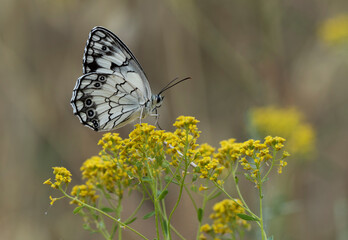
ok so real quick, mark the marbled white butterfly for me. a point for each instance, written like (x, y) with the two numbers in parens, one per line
(114, 90)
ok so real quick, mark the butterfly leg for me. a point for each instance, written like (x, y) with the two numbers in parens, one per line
(157, 117)
(141, 115)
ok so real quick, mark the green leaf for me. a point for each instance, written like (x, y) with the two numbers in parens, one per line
(175, 182)
(78, 192)
(130, 221)
(162, 195)
(200, 214)
(215, 196)
(77, 209)
(106, 209)
(237, 180)
(146, 179)
(149, 215)
(165, 227)
(247, 217)
(194, 177)
(270, 238)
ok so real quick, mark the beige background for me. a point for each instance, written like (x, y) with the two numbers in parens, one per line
(240, 54)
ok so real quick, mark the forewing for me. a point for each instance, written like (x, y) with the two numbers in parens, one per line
(106, 101)
(106, 53)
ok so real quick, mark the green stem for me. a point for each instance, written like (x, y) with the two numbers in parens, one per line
(103, 213)
(184, 158)
(237, 187)
(263, 233)
(271, 167)
(246, 208)
(191, 198)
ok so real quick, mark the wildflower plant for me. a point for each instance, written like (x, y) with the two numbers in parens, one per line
(286, 122)
(151, 160)
(334, 31)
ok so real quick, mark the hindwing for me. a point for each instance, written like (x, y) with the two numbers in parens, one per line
(106, 101)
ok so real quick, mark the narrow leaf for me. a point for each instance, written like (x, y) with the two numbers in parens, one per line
(247, 217)
(146, 179)
(200, 214)
(165, 227)
(78, 192)
(149, 215)
(162, 195)
(215, 196)
(77, 209)
(130, 221)
(106, 209)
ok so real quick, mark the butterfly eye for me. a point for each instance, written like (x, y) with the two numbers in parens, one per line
(91, 113)
(104, 48)
(88, 102)
(159, 99)
(102, 78)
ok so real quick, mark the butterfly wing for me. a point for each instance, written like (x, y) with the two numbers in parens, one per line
(106, 53)
(106, 101)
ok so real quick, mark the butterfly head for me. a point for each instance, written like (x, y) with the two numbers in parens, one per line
(156, 101)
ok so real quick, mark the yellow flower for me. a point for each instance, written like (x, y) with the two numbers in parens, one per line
(206, 228)
(282, 164)
(202, 188)
(187, 123)
(62, 175)
(52, 200)
(48, 182)
(334, 30)
(85, 193)
(225, 217)
(288, 123)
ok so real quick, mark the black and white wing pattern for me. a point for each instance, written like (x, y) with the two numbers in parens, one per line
(106, 101)
(114, 90)
(106, 53)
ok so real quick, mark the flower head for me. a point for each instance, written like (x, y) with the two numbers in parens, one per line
(334, 31)
(62, 175)
(288, 123)
(85, 193)
(225, 218)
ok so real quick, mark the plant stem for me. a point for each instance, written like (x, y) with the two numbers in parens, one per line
(263, 233)
(103, 213)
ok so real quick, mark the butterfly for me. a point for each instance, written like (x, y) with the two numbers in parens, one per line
(113, 90)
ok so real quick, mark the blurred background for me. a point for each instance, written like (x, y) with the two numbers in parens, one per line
(254, 64)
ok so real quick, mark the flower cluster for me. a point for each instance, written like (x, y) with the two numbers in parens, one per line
(62, 175)
(149, 160)
(123, 163)
(225, 219)
(85, 193)
(207, 166)
(334, 30)
(252, 155)
(288, 123)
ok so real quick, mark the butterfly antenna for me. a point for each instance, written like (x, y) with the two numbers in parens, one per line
(169, 85)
